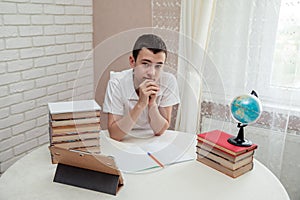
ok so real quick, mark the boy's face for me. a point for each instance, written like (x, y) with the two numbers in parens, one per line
(147, 66)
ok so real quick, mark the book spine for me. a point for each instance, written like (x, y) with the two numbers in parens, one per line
(50, 128)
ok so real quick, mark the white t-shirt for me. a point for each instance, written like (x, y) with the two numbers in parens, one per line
(121, 97)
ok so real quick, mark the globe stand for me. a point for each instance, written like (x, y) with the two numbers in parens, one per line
(239, 140)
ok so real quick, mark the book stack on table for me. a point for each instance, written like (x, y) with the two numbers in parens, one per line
(214, 150)
(75, 125)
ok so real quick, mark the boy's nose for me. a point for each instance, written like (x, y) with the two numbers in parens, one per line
(151, 71)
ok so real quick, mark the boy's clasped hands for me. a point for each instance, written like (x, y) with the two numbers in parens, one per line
(147, 92)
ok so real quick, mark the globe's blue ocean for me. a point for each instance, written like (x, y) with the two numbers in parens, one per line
(246, 109)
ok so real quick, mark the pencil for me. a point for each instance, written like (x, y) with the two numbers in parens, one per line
(155, 159)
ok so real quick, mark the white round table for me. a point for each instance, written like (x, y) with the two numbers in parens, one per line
(31, 178)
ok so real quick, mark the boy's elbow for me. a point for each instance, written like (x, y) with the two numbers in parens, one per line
(163, 129)
(114, 135)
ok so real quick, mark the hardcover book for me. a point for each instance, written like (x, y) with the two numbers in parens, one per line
(75, 137)
(232, 173)
(75, 125)
(75, 128)
(223, 154)
(74, 109)
(78, 144)
(70, 122)
(224, 162)
(218, 139)
(214, 150)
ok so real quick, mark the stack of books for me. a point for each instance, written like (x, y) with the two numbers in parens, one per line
(75, 125)
(214, 150)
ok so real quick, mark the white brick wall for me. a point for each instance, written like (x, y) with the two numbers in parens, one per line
(43, 44)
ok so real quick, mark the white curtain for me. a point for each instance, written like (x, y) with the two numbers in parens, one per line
(194, 27)
(238, 40)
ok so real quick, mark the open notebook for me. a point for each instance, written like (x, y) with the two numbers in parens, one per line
(131, 154)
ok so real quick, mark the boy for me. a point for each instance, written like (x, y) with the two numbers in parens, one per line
(142, 97)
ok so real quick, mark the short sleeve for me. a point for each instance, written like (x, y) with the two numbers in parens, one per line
(170, 95)
(113, 98)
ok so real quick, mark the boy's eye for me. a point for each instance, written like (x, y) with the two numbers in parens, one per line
(158, 66)
(146, 64)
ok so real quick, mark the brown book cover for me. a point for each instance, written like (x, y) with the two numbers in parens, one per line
(78, 144)
(75, 137)
(85, 160)
(232, 173)
(75, 115)
(80, 169)
(224, 154)
(224, 162)
(80, 121)
(75, 128)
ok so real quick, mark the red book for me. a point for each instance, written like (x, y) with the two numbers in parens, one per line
(218, 139)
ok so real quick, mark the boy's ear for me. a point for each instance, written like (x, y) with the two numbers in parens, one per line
(131, 61)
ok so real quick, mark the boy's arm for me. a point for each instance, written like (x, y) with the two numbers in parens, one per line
(119, 126)
(160, 118)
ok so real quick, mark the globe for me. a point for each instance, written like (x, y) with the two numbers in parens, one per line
(246, 109)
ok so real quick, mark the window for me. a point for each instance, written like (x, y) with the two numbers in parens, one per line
(286, 62)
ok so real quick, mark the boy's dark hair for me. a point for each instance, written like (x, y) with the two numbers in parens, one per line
(151, 42)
